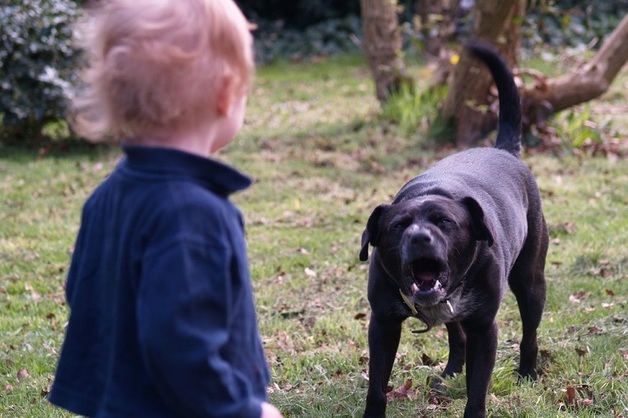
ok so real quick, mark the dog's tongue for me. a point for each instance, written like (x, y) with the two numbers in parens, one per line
(424, 282)
(428, 276)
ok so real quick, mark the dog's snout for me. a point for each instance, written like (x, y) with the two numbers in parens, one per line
(422, 237)
(419, 237)
(419, 234)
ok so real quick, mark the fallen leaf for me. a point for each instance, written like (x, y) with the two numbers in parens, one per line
(402, 392)
(33, 293)
(605, 272)
(435, 397)
(570, 396)
(364, 360)
(427, 360)
(22, 374)
(578, 296)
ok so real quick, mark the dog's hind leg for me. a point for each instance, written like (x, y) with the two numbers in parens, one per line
(457, 352)
(457, 349)
(527, 281)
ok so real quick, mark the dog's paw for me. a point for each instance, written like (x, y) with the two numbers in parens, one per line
(528, 375)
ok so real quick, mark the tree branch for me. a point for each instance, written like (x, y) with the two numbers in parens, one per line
(586, 82)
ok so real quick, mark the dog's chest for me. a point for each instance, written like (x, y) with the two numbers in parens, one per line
(455, 309)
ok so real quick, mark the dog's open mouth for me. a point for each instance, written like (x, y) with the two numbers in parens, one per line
(426, 276)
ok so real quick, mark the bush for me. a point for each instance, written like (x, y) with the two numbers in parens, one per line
(571, 23)
(331, 37)
(37, 63)
(298, 14)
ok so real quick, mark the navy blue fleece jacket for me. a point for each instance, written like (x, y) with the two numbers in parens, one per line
(162, 320)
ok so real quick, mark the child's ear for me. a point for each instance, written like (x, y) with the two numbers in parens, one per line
(225, 97)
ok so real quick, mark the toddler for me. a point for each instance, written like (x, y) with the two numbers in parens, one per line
(162, 319)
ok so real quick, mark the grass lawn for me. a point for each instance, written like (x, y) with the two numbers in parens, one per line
(322, 161)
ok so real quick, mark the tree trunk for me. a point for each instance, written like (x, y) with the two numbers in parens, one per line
(382, 45)
(497, 22)
(585, 83)
(437, 19)
(429, 12)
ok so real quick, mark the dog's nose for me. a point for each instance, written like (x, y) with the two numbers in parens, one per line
(419, 236)
(419, 241)
(422, 237)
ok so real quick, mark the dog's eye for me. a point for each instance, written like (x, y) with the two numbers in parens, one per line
(400, 224)
(443, 221)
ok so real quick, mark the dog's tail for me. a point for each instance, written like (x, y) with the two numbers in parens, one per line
(509, 130)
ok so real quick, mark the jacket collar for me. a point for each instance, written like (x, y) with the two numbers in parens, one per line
(219, 177)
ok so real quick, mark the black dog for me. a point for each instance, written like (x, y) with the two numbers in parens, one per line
(445, 248)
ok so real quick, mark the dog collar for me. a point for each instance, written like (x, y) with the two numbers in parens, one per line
(413, 308)
(420, 315)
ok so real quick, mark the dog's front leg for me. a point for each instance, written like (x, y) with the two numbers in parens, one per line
(481, 349)
(383, 339)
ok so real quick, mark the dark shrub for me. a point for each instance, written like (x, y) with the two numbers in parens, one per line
(37, 63)
(297, 14)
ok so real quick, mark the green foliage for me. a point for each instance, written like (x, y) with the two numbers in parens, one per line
(37, 62)
(331, 37)
(413, 111)
(571, 23)
(577, 128)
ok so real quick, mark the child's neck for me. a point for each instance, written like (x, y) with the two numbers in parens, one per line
(201, 144)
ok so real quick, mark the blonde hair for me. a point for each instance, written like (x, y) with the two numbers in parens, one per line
(158, 65)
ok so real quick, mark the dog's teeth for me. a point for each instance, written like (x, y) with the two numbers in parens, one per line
(438, 285)
(451, 308)
(414, 288)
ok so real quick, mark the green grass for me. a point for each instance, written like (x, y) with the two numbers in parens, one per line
(322, 160)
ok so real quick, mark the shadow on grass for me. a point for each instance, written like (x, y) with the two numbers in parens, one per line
(34, 148)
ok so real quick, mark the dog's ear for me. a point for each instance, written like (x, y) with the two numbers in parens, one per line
(371, 233)
(482, 229)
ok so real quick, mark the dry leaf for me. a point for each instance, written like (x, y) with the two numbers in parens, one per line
(402, 392)
(22, 374)
(578, 296)
(427, 360)
(570, 395)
